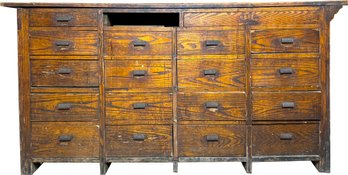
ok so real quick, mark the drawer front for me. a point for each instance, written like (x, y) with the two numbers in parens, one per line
(139, 141)
(142, 44)
(211, 75)
(295, 74)
(139, 75)
(286, 106)
(201, 19)
(63, 42)
(62, 17)
(129, 108)
(287, 139)
(64, 107)
(65, 140)
(285, 41)
(201, 41)
(211, 140)
(211, 106)
(64, 73)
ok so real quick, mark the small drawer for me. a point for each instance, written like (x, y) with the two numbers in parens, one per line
(138, 44)
(202, 19)
(62, 17)
(213, 41)
(286, 106)
(211, 75)
(64, 73)
(139, 141)
(212, 106)
(64, 106)
(285, 41)
(286, 139)
(292, 74)
(58, 41)
(211, 140)
(139, 75)
(64, 140)
(135, 108)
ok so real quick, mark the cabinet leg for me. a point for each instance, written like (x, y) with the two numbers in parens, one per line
(247, 166)
(322, 166)
(175, 166)
(104, 167)
(28, 167)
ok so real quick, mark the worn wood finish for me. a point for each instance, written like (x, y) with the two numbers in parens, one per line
(204, 19)
(303, 139)
(229, 106)
(64, 73)
(230, 141)
(48, 142)
(62, 17)
(62, 41)
(121, 142)
(229, 75)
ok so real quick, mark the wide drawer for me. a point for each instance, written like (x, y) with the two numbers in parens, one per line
(64, 73)
(295, 74)
(285, 139)
(211, 75)
(201, 19)
(212, 106)
(285, 41)
(139, 75)
(64, 140)
(211, 140)
(58, 41)
(62, 17)
(210, 41)
(139, 141)
(131, 108)
(286, 106)
(138, 44)
(64, 106)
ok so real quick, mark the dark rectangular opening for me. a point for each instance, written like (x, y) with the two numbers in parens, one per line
(141, 19)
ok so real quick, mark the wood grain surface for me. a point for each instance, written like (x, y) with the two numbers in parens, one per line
(213, 19)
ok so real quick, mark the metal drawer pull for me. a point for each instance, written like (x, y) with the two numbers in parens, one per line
(64, 106)
(139, 43)
(212, 138)
(139, 73)
(65, 138)
(211, 104)
(286, 71)
(64, 18)
(287, 40)
(64, 71)
(63, 43)
(212, 43)
(139, 105)
(288, 104)
(286, 136)
(139, 137)
(210, 72)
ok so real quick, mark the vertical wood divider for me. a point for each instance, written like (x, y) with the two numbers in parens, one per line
(175, 103)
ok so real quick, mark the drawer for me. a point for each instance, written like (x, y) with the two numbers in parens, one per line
(139, 75)
(64, 106)
(201, 19)
(64, 73)
(211, 140)
(285, 41)
(211, 75)
(286, 106)
(212, 106)
(295, 74)
(213, 41)
(64, 140)
(62, 41)
(131, 108)
(138, 44)
(286, 139)
(62, 17)
(139, 141)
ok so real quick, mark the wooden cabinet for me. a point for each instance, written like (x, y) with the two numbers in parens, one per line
(174, 83)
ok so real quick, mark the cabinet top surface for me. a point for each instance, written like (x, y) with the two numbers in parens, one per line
(176, 5)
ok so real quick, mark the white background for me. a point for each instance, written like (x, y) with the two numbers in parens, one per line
(9, 129)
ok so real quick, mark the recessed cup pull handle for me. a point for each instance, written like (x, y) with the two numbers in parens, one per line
(64, 106)
(63, 43)
(288, 104)
(212, 138)
(65, 138)
(64, 71)
(211, 104)
(139, 73)
(287, 40)
(212, 43)
(139, 105)
(64, 18)
(139, 43)
(139, 137)
(286, 136)
(213, 72)
(283, 71)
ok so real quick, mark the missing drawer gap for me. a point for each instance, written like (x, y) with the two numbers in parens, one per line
(141, 19)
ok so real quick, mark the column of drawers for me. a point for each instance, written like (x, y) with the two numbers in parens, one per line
(64, 77)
